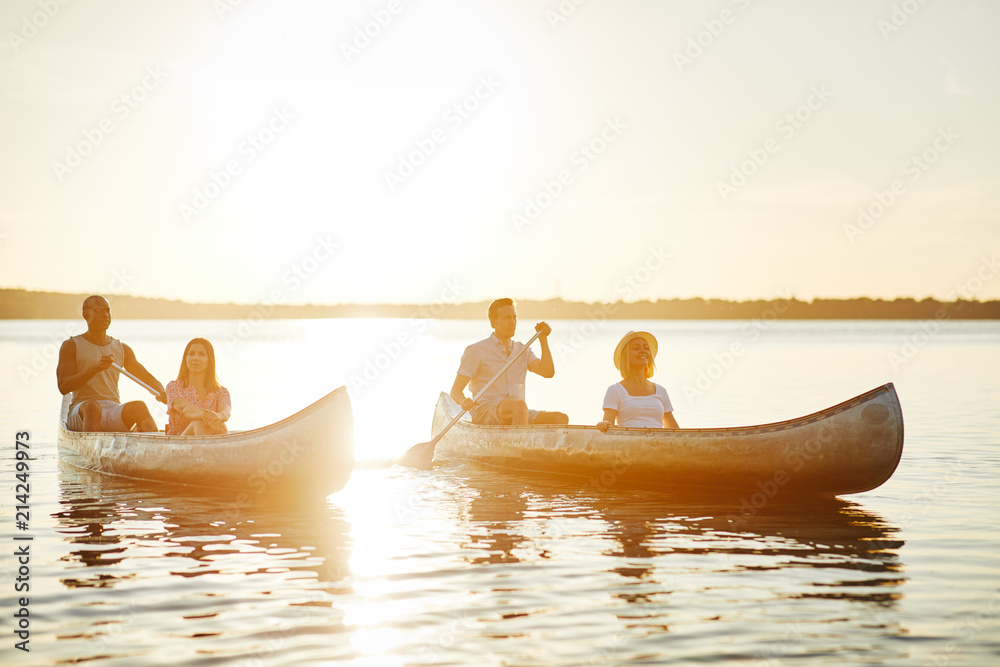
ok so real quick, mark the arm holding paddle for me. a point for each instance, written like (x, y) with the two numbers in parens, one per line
(136, 371)
(68, 376)
(543, 366)
(457, 392)
(422, 455)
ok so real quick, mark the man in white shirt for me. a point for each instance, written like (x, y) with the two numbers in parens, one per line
(503, 402)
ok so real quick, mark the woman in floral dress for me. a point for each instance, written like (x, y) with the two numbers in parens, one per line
(196, 403)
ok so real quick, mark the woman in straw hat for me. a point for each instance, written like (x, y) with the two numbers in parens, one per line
(635, 401)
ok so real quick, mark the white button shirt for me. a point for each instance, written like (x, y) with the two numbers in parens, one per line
(482, 360)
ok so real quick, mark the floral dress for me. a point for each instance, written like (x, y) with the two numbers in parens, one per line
(214, 401)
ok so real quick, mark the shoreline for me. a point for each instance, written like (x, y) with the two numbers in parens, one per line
(17, 304)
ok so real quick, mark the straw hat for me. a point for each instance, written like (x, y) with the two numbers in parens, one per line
(645, 335)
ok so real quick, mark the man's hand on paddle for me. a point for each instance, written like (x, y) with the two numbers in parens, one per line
(458, 392)
(543, 366)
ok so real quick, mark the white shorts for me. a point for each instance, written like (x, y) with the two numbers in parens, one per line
(111, 417)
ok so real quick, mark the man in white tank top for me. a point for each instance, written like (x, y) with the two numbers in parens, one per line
(85, 369)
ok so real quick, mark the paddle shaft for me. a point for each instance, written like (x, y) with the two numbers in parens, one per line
(487, 385)
(420, 456)
(135, 379)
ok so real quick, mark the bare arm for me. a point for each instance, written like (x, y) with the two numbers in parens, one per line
(70, 378)
(609, 420)
(669, 421)
(543, 366)
(183, 406)
(133, 366)
(458, 392)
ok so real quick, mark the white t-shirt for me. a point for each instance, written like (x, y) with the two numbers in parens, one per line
(638, 411)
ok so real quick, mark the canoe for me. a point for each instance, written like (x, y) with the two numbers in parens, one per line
(851, 447)
(311, 452)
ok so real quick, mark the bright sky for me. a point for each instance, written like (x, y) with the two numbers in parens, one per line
(227, 150)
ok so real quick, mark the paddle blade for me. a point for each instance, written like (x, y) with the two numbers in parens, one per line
(419, 456)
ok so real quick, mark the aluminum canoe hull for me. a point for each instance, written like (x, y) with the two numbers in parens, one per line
(851, 447)
(311, 451)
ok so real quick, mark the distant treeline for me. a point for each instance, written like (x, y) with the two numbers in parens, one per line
(23, 304)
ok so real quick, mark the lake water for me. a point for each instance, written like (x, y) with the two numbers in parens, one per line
(465, 566)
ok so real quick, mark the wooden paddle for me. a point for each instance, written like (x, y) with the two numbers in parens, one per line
(420, 456)
(139, 382)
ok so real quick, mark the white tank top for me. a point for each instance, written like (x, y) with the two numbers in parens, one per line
(104, 385)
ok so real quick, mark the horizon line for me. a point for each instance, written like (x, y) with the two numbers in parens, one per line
(792, 298)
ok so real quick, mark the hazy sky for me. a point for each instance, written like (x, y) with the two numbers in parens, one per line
(409, 151)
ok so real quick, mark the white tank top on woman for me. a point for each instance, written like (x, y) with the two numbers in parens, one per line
(638, 411)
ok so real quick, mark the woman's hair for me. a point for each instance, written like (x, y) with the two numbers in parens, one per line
(624, 367)
(211, 380)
